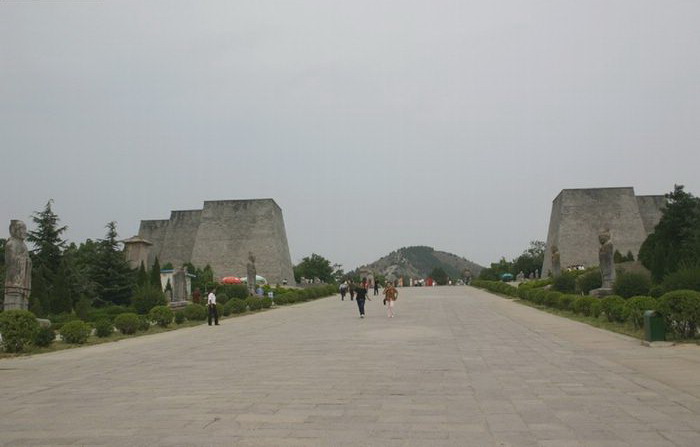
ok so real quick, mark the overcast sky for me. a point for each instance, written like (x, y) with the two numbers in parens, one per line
(373, 124)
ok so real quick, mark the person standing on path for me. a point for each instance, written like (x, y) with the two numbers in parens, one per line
(376, 288)
(352, 290)
(343, 291)
(390, 294)
(360, 296)
(211, 306)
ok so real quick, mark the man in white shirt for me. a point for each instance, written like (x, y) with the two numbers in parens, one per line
(211, 305)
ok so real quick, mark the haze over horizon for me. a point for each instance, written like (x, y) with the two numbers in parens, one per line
(374, 125)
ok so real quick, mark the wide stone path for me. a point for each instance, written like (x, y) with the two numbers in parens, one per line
(456, 367)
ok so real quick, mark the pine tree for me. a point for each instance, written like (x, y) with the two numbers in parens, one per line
(155, 275)
(61, 300)
(48, 245)
(111, 271)
(142, 277)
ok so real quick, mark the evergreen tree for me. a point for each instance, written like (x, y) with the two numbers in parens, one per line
(61, 300)
(142, 278)
(48, 245)
(40, 293)
(155, 275)
(111, 272)
(675, 242)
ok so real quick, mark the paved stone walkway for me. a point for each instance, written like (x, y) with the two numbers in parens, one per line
(456, 367)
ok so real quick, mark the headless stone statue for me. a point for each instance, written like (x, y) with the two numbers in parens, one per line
(18, 274)
(251, 273)
(556, 261)
(605, 257)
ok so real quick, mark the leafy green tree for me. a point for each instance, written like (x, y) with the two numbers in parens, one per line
(675, 242)
(111, 271)
(530, 260)
(314, 266)
(48, 245)
(439, 275)
(62, 294)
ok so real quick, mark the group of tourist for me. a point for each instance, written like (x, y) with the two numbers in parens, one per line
(358, 293)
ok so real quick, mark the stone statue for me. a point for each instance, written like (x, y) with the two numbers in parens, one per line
(556, 261)
(605, 257)
(18, 274)
(251, 273)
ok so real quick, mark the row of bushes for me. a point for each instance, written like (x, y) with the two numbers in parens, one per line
(680, 308)
(19, 328)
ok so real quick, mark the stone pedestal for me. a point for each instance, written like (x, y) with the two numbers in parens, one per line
(601, 292)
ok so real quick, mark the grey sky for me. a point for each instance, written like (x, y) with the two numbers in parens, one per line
(373, 124)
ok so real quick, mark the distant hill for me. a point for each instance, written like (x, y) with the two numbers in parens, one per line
(418, 262)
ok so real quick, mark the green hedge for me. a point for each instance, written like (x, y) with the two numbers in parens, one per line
(161, 315)
(583, 305)
(75, 332)
(613, 307)
(104, 327)
(235, 306)
(18, 329)
(44, 336)
(632, 284)
(195, 312)
(127, 323)
(681, 309)
(636, 306)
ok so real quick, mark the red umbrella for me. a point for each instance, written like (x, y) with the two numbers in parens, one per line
(231, 280)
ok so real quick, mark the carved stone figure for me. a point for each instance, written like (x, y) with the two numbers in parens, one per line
(18, 274)
(556, 261)
(605, 257)
(251, 273)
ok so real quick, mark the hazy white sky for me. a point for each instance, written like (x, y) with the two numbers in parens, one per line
(373, 124)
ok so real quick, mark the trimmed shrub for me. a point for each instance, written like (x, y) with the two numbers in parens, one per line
(44, 336)
(127, 323)
(104, 327)
(236, 306)
(18, 329)
(524, 294)
(535, 284)
(565, 301)
(221, 298)
(254, 303)
(179, 317)
(681, 309)
(684, 279)
(565, 283)
(76, 332)
(537, 295)
(631, 284)
(551, 299)
(281, 300)
(144, 323)
(231, 291)
(146, 298)
(106, 313)
(292, 297)
(613, 307)
(582, 305)
(596, 307)
(195, 312)
(588, 281)
(266, 302)
(657, 291)
(635, 307)
(161, 315)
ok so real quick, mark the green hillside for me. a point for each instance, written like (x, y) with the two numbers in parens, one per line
(417, 262)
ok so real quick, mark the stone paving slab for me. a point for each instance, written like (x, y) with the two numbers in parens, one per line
(456, 367)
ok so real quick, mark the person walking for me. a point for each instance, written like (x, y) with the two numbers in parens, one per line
(352, 290)
(376, 288)
(360, 296)
(211, 306)
(390, 294)
(343, 290)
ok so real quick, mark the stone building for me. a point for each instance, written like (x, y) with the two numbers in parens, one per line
(222, 234)
(579, 215)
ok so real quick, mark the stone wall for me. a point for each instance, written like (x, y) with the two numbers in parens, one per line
(154, 232)
(180, 238)
(221, 235)
(578, 215)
